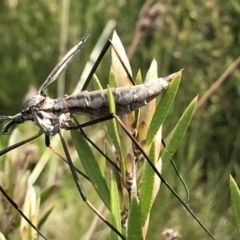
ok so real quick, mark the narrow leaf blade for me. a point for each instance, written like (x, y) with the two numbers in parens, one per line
(91, 167)
(163, 107)
(134, 221)
(44, 218)
(113, 129)
(235, 200)
(115, 207)
(178, 132)
(147, 186)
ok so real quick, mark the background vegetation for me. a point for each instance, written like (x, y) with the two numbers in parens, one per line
(200, 36)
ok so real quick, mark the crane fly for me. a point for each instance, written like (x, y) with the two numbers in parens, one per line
(52, 115)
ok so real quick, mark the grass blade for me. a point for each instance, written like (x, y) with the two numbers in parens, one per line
(235, 200)
(163, 107)
(115, 207)
(178, 132)
(91, 167)
(134, 221)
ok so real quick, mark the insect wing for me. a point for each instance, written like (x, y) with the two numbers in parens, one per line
(61, 66)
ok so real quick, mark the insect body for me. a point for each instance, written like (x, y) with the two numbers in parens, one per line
(127, 99)
(51, 115)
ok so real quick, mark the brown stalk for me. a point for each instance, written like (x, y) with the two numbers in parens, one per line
(147, 21)
(215, 85)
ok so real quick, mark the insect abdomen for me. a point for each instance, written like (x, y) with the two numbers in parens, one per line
(127, 99)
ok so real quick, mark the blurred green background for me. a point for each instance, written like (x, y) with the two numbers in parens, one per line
(202, 37)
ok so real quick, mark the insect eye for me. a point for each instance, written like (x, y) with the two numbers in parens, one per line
(24, 111)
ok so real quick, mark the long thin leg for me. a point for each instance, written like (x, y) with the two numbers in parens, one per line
(55, 151)
(105, 118)
(16, 145)
(93, 70)
(179, 175)
(81, 191)
(93, 144)
(20, 211)
(123, 64)
(101, 55)
(110, 116)
(160, 176)
(89, 123)
(64, 159)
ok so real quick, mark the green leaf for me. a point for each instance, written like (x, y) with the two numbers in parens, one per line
(147, 186)
(111, 101)
(235, 200)
(178, 132)
(111, 126)
(91, 166)
(96, 83)
(45, 193)
(115, 208)
(138, 79)
(44, 217)
(113, 130)
(109, 167)
(112, 79)
(163, 107)
(134, 231)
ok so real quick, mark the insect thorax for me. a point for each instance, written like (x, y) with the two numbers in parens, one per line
(35, 102)
(39, 109)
